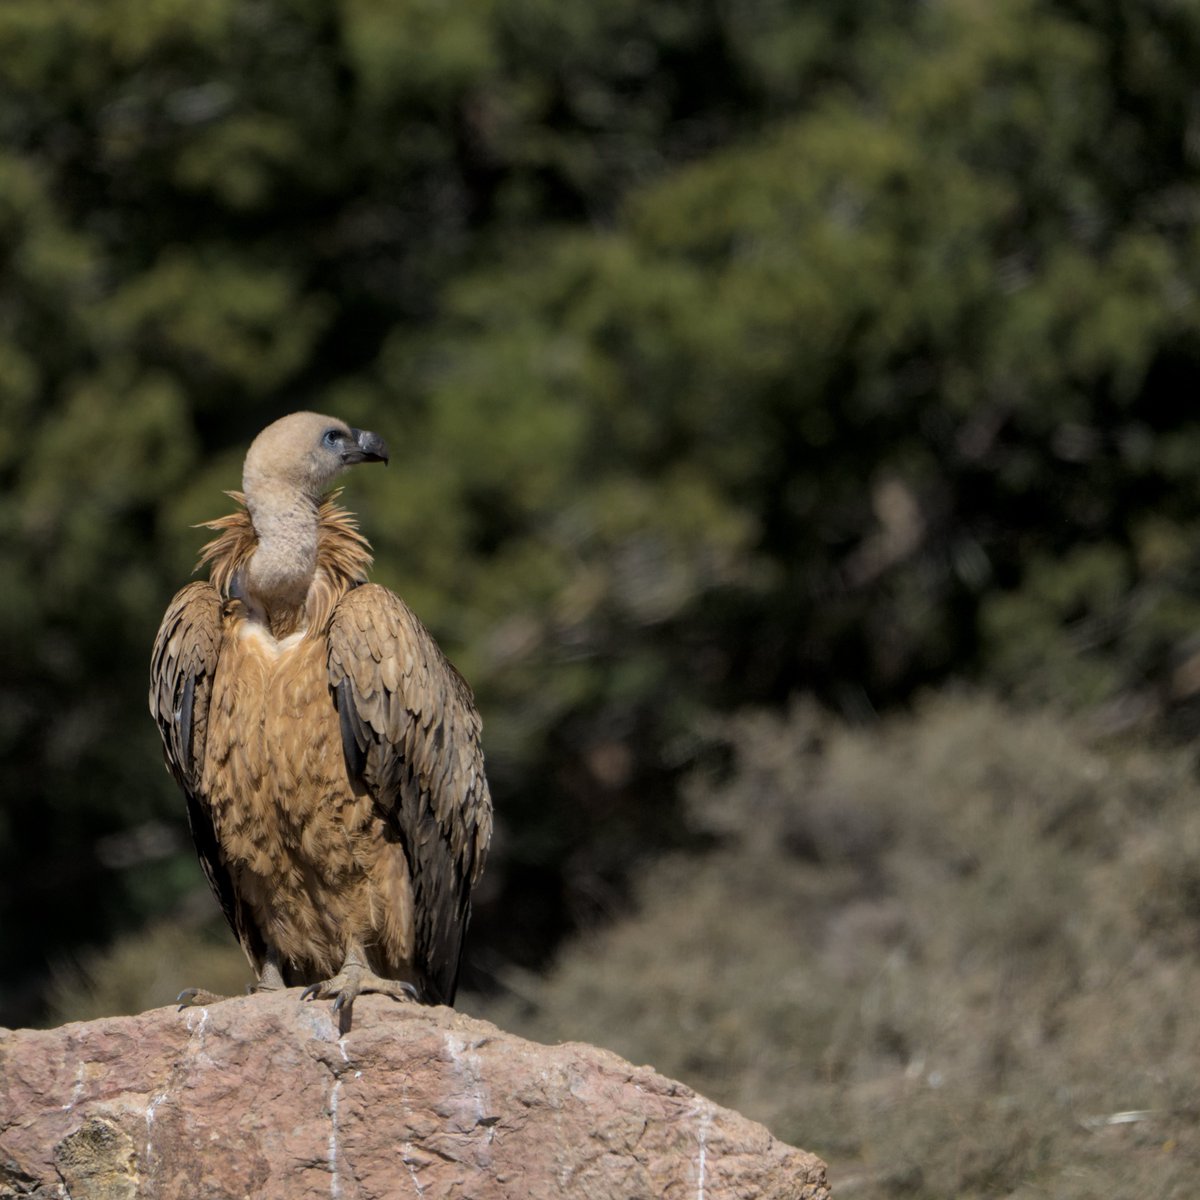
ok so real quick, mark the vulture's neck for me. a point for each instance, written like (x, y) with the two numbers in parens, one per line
(287, 560)
(284, 562)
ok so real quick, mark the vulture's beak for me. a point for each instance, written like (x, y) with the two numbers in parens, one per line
(367, 447)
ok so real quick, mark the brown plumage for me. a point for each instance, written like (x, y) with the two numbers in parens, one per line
(328, 752)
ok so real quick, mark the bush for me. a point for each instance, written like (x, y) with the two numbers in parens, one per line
(954, 953)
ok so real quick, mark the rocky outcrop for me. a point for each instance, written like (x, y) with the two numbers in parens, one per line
(260, 1097)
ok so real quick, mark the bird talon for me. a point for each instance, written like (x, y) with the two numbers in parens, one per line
(312, 992)
(197, 998)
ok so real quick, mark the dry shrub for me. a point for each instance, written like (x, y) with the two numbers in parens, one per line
(956, 954)
(149, 969)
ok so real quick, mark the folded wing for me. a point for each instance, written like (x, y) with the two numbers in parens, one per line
(182, 666)
(410, 732)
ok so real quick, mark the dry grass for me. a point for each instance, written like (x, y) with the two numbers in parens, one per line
(149, 969)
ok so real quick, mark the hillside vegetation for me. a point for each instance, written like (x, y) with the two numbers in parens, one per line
(728, 353)
(955, 954)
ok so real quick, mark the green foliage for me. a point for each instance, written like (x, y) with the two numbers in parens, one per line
(727, 351)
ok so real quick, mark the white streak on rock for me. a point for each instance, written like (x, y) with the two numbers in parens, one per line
(198, 1046)
(191, 1024)
(74, 1100)
(702, 1158)
(319, 1018)
(335, 1149)
(151, 1110)
(335, 1179)
(406, 1159)
(467, 1069)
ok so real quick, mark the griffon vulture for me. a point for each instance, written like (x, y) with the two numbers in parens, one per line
(328, 752)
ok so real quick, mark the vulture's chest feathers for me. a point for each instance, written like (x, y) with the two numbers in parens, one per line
(305, 843)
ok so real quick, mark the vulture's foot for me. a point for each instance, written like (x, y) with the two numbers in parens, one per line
(269, 980)
(352, 980)
(197, 998)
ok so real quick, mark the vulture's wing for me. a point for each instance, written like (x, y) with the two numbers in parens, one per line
(181, 677)
(411, 733)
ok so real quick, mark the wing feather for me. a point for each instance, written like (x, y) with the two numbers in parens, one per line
(181, 673)
(411, 732)
(182, 666)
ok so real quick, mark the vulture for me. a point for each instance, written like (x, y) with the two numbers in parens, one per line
(328, 752)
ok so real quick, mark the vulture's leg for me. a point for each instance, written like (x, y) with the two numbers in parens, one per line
(354, 978)
(270, 978)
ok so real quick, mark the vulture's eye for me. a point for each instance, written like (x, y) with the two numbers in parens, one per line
(333, 437)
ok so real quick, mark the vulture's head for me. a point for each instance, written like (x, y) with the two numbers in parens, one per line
(304, 452)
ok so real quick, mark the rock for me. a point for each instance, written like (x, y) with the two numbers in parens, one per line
(260, 1097)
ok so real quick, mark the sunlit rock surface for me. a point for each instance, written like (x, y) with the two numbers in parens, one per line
(260, 1097)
